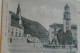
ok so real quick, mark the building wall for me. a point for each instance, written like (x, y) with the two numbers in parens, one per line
(70, 25)
(14, 36)
(15, 40)
(64, 25)
(15, 30)
(74, 34)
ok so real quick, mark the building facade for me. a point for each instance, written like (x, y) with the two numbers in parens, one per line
(16, 30)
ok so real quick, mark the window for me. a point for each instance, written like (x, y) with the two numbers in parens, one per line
(19, 34)
(12, 33)
(10, 40)
(67, 22)
(16, 33)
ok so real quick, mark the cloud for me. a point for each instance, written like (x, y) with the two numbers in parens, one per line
(46, 15)
(47, 11)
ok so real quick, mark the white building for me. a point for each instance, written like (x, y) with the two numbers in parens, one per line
(66, 19)
(65, 26)
(16, 30)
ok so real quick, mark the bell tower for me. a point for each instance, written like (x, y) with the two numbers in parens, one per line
(66, 19)
(18, 13)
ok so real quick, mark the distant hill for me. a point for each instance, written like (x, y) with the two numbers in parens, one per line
(33, 28)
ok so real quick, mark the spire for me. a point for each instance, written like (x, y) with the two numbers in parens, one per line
(67, 11)
(18, 13)
(66, 6)
(18, 9)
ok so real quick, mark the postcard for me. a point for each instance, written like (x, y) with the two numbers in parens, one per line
(40, 26)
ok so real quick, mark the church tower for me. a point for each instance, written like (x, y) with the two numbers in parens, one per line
(18, 13)
(66, 19)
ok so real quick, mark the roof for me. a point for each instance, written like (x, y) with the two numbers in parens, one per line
(61, 26)
(16, 24)
(66, 6)
(14, 20)
(74, 26)
(57, 25)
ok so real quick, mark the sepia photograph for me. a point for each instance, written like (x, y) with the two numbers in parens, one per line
(42, 26)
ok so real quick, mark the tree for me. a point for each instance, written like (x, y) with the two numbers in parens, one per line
(61, 37)
(64, 37)
(69, 39)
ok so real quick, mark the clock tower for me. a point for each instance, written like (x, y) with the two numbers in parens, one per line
(66, 19)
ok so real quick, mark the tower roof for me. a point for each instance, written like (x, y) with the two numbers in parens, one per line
(66, 6)
(14, 22)
(18, 9)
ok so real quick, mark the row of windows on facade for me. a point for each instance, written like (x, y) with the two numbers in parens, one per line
(16, 33)
(10, 40)
(22, 40)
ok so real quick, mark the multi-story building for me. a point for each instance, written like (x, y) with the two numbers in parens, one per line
(16, 30)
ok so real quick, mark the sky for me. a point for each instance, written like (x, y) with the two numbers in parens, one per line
(46, 12)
